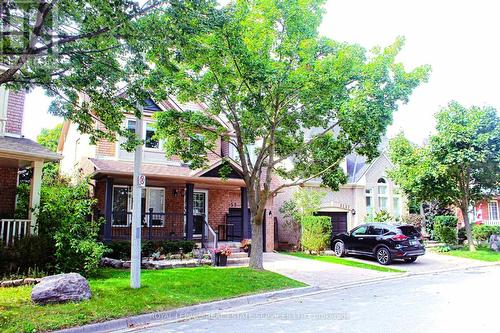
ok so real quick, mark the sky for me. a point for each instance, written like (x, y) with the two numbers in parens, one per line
(459, 39)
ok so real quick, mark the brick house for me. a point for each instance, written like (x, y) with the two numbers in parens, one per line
(367, 192)
(17, 153)
(177, 202)
(485, 212)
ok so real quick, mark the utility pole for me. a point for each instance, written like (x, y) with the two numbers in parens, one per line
(135, 253)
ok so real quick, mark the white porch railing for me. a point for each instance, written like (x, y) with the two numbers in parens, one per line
(12, 230)
(491, 222)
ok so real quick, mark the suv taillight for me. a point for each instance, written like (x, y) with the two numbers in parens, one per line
(399, 238)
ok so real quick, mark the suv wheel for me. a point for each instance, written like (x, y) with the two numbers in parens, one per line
(339, 249)
(383, 256)
(410, 260)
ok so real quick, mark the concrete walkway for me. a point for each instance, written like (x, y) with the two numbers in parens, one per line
(317, 273)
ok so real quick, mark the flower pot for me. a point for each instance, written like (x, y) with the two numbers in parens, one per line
(222, 260)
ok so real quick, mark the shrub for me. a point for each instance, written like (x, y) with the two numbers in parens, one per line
(316, 231)
(64, 216)
(481, 232)
(415, 220)
(383, 216)
(445, 229)
(121, 249)
(462, 235)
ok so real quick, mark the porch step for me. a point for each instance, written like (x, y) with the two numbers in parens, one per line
(232, 261)
(238, 255)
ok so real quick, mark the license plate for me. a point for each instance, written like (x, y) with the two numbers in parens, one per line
(414, 242)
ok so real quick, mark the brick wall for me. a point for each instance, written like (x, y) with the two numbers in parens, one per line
(8, 185)
(219, 202)
(105, 147)
(15, 111)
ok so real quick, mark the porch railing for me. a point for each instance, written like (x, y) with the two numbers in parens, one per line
(491, 222)
(155, 225)
(208, 236)
(12, 230)
(226, 232)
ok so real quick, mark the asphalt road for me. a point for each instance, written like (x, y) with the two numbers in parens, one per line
(459, 301)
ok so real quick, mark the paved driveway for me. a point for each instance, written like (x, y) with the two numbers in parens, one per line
(430, 262)
(317, 273)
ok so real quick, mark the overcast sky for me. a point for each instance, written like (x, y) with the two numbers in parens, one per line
(459, 39)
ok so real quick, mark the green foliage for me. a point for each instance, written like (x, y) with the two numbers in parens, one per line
(415, 220)
(445, 229)
(64, 216)
(461, 163)
(121, 249)
(382, 216)
(481, 232)
(22, 201)
(316, 232)
(49, 138)
(304, 202)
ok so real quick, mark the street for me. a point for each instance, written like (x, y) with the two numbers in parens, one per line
(458, 301)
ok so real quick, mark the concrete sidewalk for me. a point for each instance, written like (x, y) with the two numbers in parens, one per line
(320, 274)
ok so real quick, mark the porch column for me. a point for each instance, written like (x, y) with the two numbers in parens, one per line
(189, 211)
(36, 186)
(244, 213)
(108, 206)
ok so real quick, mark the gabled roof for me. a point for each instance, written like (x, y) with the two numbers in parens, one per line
(214, 170)
(23, 147)
(357, 166)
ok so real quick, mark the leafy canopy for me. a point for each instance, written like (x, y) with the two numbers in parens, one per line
(283, 90)
(461, 163)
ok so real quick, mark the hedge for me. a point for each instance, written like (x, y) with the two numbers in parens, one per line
(121, 249)
(316, 231)
(445, 229)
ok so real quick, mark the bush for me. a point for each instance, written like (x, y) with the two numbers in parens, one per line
(121, 249)
(415, 220)
(383, 216)
(445, 229)
(481, 232)
(462, 235)
(316, 231)
(64, 216)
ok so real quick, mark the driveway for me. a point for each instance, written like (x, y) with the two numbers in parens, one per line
(430, 262)
(317, 273)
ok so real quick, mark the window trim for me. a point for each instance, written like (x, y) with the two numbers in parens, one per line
(113, 203)
(490, 210)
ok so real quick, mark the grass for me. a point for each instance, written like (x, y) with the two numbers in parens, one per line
(345, 262)
(481, 253)
(112, 297)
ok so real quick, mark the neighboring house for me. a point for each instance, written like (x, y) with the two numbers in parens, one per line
(485, 212)
(367, 192)
(177, 202)
(17, 153)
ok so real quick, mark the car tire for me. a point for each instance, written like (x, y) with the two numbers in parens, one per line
(410, 260)
(383, 256)
(339, 249)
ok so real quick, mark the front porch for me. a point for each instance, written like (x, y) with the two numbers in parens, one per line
(21, 161)
(203, 211)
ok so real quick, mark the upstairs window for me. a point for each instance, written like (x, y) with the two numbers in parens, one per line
(151, 141)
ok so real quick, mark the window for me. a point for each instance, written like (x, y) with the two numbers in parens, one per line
(382, 203)
(396, 206)
(360, 231)
(131, 126)
(120, 206)
(382, 194)
(376, 231)
(369, 201)
(493, 210)
(197, 144)
(151, 141)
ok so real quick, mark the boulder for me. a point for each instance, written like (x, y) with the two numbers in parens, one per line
(61, 288)
(494, 243)
(110, 262)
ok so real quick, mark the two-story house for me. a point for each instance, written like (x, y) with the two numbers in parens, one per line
(367, 192)
(177, 202)
(17, 153)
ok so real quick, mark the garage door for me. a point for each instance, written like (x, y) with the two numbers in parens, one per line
(339, 221)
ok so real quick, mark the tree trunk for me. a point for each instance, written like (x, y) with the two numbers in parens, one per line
(256, 257)
(468, 229)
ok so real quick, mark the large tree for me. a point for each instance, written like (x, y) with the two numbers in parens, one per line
(286, 93)
(87, 54)
(459, 166)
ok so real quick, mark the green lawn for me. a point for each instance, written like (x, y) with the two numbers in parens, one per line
(483, 254)
(343, 261)
(112, 297)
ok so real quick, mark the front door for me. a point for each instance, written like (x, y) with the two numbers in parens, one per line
(199, 211)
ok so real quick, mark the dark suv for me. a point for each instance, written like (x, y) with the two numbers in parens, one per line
(385, 242)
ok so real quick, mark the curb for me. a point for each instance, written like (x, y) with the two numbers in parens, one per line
(188, 312)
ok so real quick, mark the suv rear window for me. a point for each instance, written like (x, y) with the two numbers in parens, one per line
(409, 231)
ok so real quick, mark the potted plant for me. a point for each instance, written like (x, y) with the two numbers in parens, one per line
(246, 245)
(221, 255)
